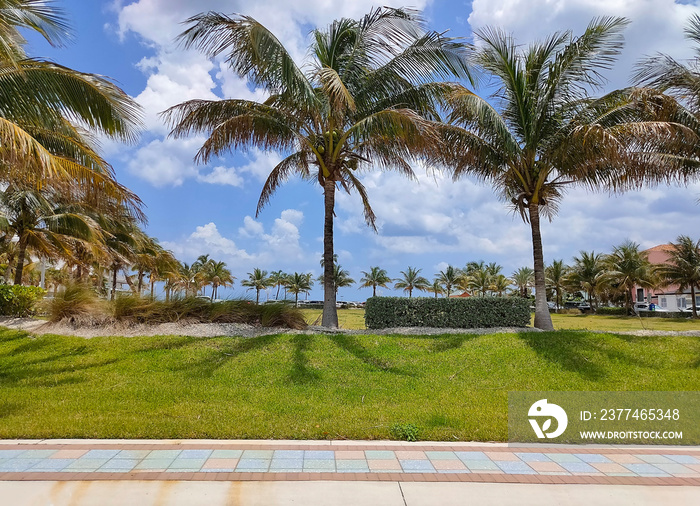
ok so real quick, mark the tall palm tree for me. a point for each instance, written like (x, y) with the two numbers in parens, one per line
(45, 107)
(449, 278)
(437, 288)
(411, 280)
(44, 223)
(299, 283)
(164, 266)
(555, 279)
(683, 267)
(341, 278)
(547, 133)
(217, 275)
(202, 263)
(374, 278)
(478, 281)
(257, 280)
(523, 278)
(500, 284)
(627, 267)
(278, 279)
(586, 274)
(367, 99)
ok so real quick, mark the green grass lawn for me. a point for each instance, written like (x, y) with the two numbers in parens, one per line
(313, 387)
(355, 319)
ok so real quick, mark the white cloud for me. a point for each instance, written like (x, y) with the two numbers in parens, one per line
(166, 162)
(656, 25)
(280, 248)
(221, 175)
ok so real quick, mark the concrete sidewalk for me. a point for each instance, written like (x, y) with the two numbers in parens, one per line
(191, 472)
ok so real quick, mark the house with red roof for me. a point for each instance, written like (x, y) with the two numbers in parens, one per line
(666, 297)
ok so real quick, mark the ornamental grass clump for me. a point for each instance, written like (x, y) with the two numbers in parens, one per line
(78, 304)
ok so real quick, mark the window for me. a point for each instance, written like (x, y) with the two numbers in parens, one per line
(640, 294)
(681, 302)
(662, 302)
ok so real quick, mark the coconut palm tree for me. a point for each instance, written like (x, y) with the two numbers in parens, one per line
(299, 283)
(627, 267)
(586, 274)
(43, 222)
(164, 266)
(449, 278)
(500, 284)
(437, 288)
(278, 279)
(367, 99)
(341, 278)
(683, 267)
(257, 280)
(523, 278)
(555, 278)
(45, 107)
(479, 280)
(218, 275)
(411, 280)
(546, 133)
(374, 278)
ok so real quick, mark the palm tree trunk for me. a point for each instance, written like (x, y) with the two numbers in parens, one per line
(153, 282)
(257, 296)
(692, 294)
(22, 251)
(374, 290)
(410, 293)
(542, 319)
(115, 268)
(330, 312)
(140, 281)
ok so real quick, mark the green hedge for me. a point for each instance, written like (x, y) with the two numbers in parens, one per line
(474, 312)
(612, 311)
(18, 300)
(664, 314)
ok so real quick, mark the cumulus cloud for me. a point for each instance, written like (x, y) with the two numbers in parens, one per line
(279, 247)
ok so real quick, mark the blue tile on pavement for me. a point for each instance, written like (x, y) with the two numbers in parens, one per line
(10, 454)
(297, 464)
(645, 469)
(593, 458)
(87, 464)
(257, 454)
(133, 454)
(654, 459)
(683, 459)
(357, 466)
(195, 454)
(417, 466)
(290, 454)
(163, 454)
(472, 456)
(36, 454)
(314, 454)
(514, 467)
(253, 464)
(533, 457)
(118, 464)
(319, 465)
(481, 465)
(52, 464)
(441, 455)
(563, 457)
(179, 463)
(578, 467)
(379, 455)
(18, 465)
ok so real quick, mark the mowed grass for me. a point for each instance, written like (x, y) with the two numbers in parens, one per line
(355, 319)
(454, 387)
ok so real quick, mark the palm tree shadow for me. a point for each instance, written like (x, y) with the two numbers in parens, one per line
(301, 373)
(351, 344)
(441, 344)
(572, 353)
(215, 356)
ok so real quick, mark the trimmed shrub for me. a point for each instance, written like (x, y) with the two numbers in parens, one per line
(474, 312)
(612, 311)
(664, 314)
(18, 300)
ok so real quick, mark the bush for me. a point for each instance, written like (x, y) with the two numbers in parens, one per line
(404, 432)
(77, 303)
(664, 314)
(18, 300)
(612, 311)
(474, 312)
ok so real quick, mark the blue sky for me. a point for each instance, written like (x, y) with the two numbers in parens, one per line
(428, 224)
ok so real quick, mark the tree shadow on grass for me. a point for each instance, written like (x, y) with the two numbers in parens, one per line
(216, 356)
(40, 372)
(301, 373)
(352, 345)
(448, 342)
(572, 352)
(9, 408)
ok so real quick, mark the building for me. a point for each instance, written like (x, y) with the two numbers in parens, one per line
(666, 297)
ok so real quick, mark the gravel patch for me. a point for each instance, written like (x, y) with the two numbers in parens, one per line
(40, 327)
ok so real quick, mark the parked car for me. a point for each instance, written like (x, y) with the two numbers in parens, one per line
(645, 306)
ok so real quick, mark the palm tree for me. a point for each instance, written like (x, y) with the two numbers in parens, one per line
(44, 223)
(368, 99)
(479, 280)
(448, 278)
(683, 267)
(523, 278)
(500, 284)
(257, 280)
(45, 107)
(411, 280)
(374, 278)
(548, 133)
(341, 278)
(437, 288)
(218, 275)
(164, 266)
(586, 274)
(299, 283)
(555, 277)
(202, 264)
(627, 267)
(278, 279)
